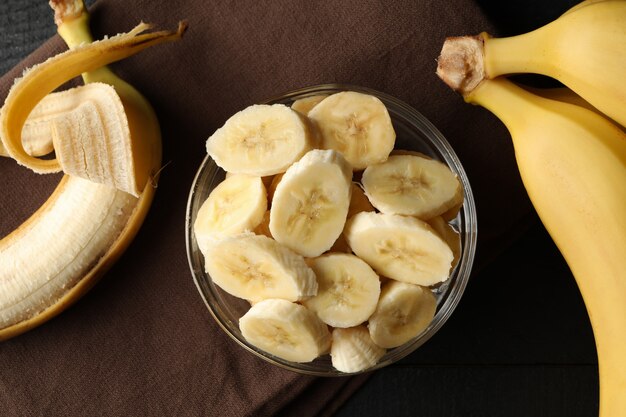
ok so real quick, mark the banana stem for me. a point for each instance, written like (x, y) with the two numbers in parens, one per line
(531, 54)
(499, 96)
(460, 63)
(72, 19)
(465, 61)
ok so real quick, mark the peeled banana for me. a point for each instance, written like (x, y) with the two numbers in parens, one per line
(573, 164)
(56, 256)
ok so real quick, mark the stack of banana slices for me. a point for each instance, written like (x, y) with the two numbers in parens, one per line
(329, 264)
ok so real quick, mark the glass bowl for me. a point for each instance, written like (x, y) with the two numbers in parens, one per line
(413, 132)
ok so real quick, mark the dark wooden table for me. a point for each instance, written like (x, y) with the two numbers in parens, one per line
(519, 343)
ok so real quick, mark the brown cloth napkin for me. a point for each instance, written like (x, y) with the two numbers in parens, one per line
(142, 342)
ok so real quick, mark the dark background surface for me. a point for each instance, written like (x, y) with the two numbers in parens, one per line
(519, 343)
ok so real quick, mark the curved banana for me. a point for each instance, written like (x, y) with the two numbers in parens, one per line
(58, 253)
(573, 165)
(584, 49)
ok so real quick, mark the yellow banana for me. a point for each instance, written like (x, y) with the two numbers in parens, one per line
(584, 4)
(57, 255)
(563, 94)
(573, 165)
(585, 49)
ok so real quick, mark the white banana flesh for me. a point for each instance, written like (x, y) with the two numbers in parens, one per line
(255, 267)
(65, 243)
(412, 185)
(286, 330)
(353, 350)
(348, 290)
(260, 140)
(310, 205)
(235, 206)
(401, 248)
(403, 312)
(93, 140)
(357, 125)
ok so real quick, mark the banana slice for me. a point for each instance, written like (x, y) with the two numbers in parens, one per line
(449, 235)
(412, 185)
(304, 105)
(353, 350)
(284, 329)
(403, 312)
(401, 248)
(236, 205)
(311, 203)
(357, 125)
(256, 267)
(348, 290)
(260, 140)
(452, 212)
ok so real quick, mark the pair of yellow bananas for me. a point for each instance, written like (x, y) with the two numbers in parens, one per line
(571, 156)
